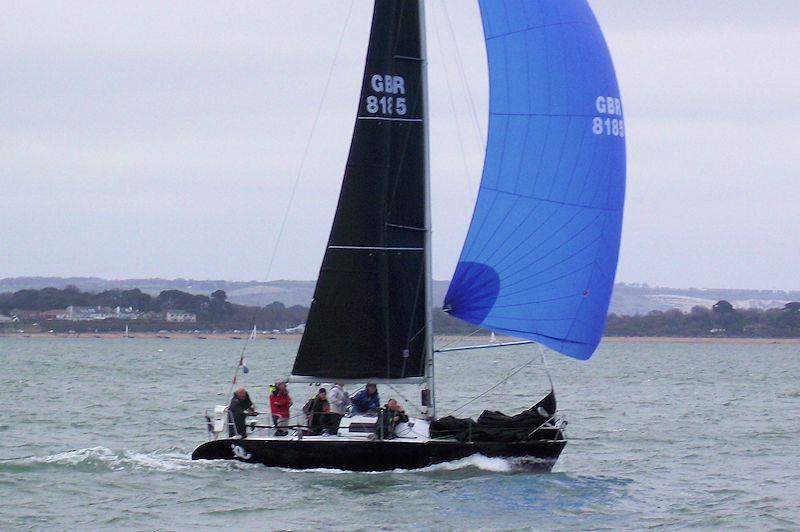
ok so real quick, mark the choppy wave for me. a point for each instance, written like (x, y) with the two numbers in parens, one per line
(669, 454)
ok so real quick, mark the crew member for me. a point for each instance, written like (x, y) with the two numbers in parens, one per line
(317, 411)
(366, 400)
(240, 407)
(279, 403)
(389, 417)
(339, 401)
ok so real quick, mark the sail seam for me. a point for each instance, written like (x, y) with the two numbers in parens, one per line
(533, 276)
(389, 119)
(380, 248)
(591, 276)
(556, 115)
(501, 163)
(298, 378)
(523, 30)
(409, 227)
(567, 203)
(408, 57)
(540, 335)
(546, 241)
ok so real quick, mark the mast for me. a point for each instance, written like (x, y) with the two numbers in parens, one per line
(429, 392)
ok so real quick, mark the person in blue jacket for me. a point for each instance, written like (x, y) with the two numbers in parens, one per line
(366, 400)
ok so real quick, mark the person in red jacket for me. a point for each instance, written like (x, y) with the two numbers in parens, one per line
(279, 404)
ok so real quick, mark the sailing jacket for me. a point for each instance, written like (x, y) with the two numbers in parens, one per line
(401, 416)
(279, 404)
(338, 399)
(317, 410)
(364, 402)
(238, 408)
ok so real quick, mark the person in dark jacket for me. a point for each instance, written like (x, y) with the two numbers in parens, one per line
(238, 409)
(318, 413)
(366, 400)
(388, 418)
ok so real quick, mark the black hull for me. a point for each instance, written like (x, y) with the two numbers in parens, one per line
(374, 455)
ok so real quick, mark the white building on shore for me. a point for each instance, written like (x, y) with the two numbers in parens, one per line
(180, 316)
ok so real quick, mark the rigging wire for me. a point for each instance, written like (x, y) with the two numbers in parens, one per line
(450, 93)
(461, 339)
(403, 397)
(503, 381)
(463, 77)
(470, 177)
(293, 192)
(544, 363)
(508, 376)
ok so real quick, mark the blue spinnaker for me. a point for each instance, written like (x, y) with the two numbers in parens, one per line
(541, 253)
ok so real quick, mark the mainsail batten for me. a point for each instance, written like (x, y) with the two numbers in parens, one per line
(368, 318)
(541, 252)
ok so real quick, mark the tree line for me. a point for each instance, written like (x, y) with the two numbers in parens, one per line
(722, 319)
(214, 310)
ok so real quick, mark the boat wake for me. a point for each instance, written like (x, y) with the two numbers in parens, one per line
(99, 459)
(474, 462)
(95, 459)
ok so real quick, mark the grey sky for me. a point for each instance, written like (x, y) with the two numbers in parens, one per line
(162, 139)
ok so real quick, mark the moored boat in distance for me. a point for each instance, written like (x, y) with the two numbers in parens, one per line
(538, 262)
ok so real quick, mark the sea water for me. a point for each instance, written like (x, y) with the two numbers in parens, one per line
(97, 434)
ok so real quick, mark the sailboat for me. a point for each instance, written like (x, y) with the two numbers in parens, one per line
(538, 262)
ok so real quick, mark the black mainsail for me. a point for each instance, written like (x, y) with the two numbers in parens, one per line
(369, 315)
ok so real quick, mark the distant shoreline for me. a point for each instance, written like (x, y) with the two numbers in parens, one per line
(443, 338)
(180, 335)
(694, 340)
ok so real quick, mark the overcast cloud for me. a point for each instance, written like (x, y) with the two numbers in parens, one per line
(155, 139)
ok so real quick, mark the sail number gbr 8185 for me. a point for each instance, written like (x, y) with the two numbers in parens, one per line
(381, 103)
(610, 121)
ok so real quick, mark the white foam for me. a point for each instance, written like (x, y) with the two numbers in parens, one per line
(172, 460)
(159, 460)
(478, 461)
(323, 470)
(76, 457)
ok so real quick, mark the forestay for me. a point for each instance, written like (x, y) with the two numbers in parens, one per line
(541, 253)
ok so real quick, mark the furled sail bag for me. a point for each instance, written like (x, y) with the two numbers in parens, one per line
(496, 426)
